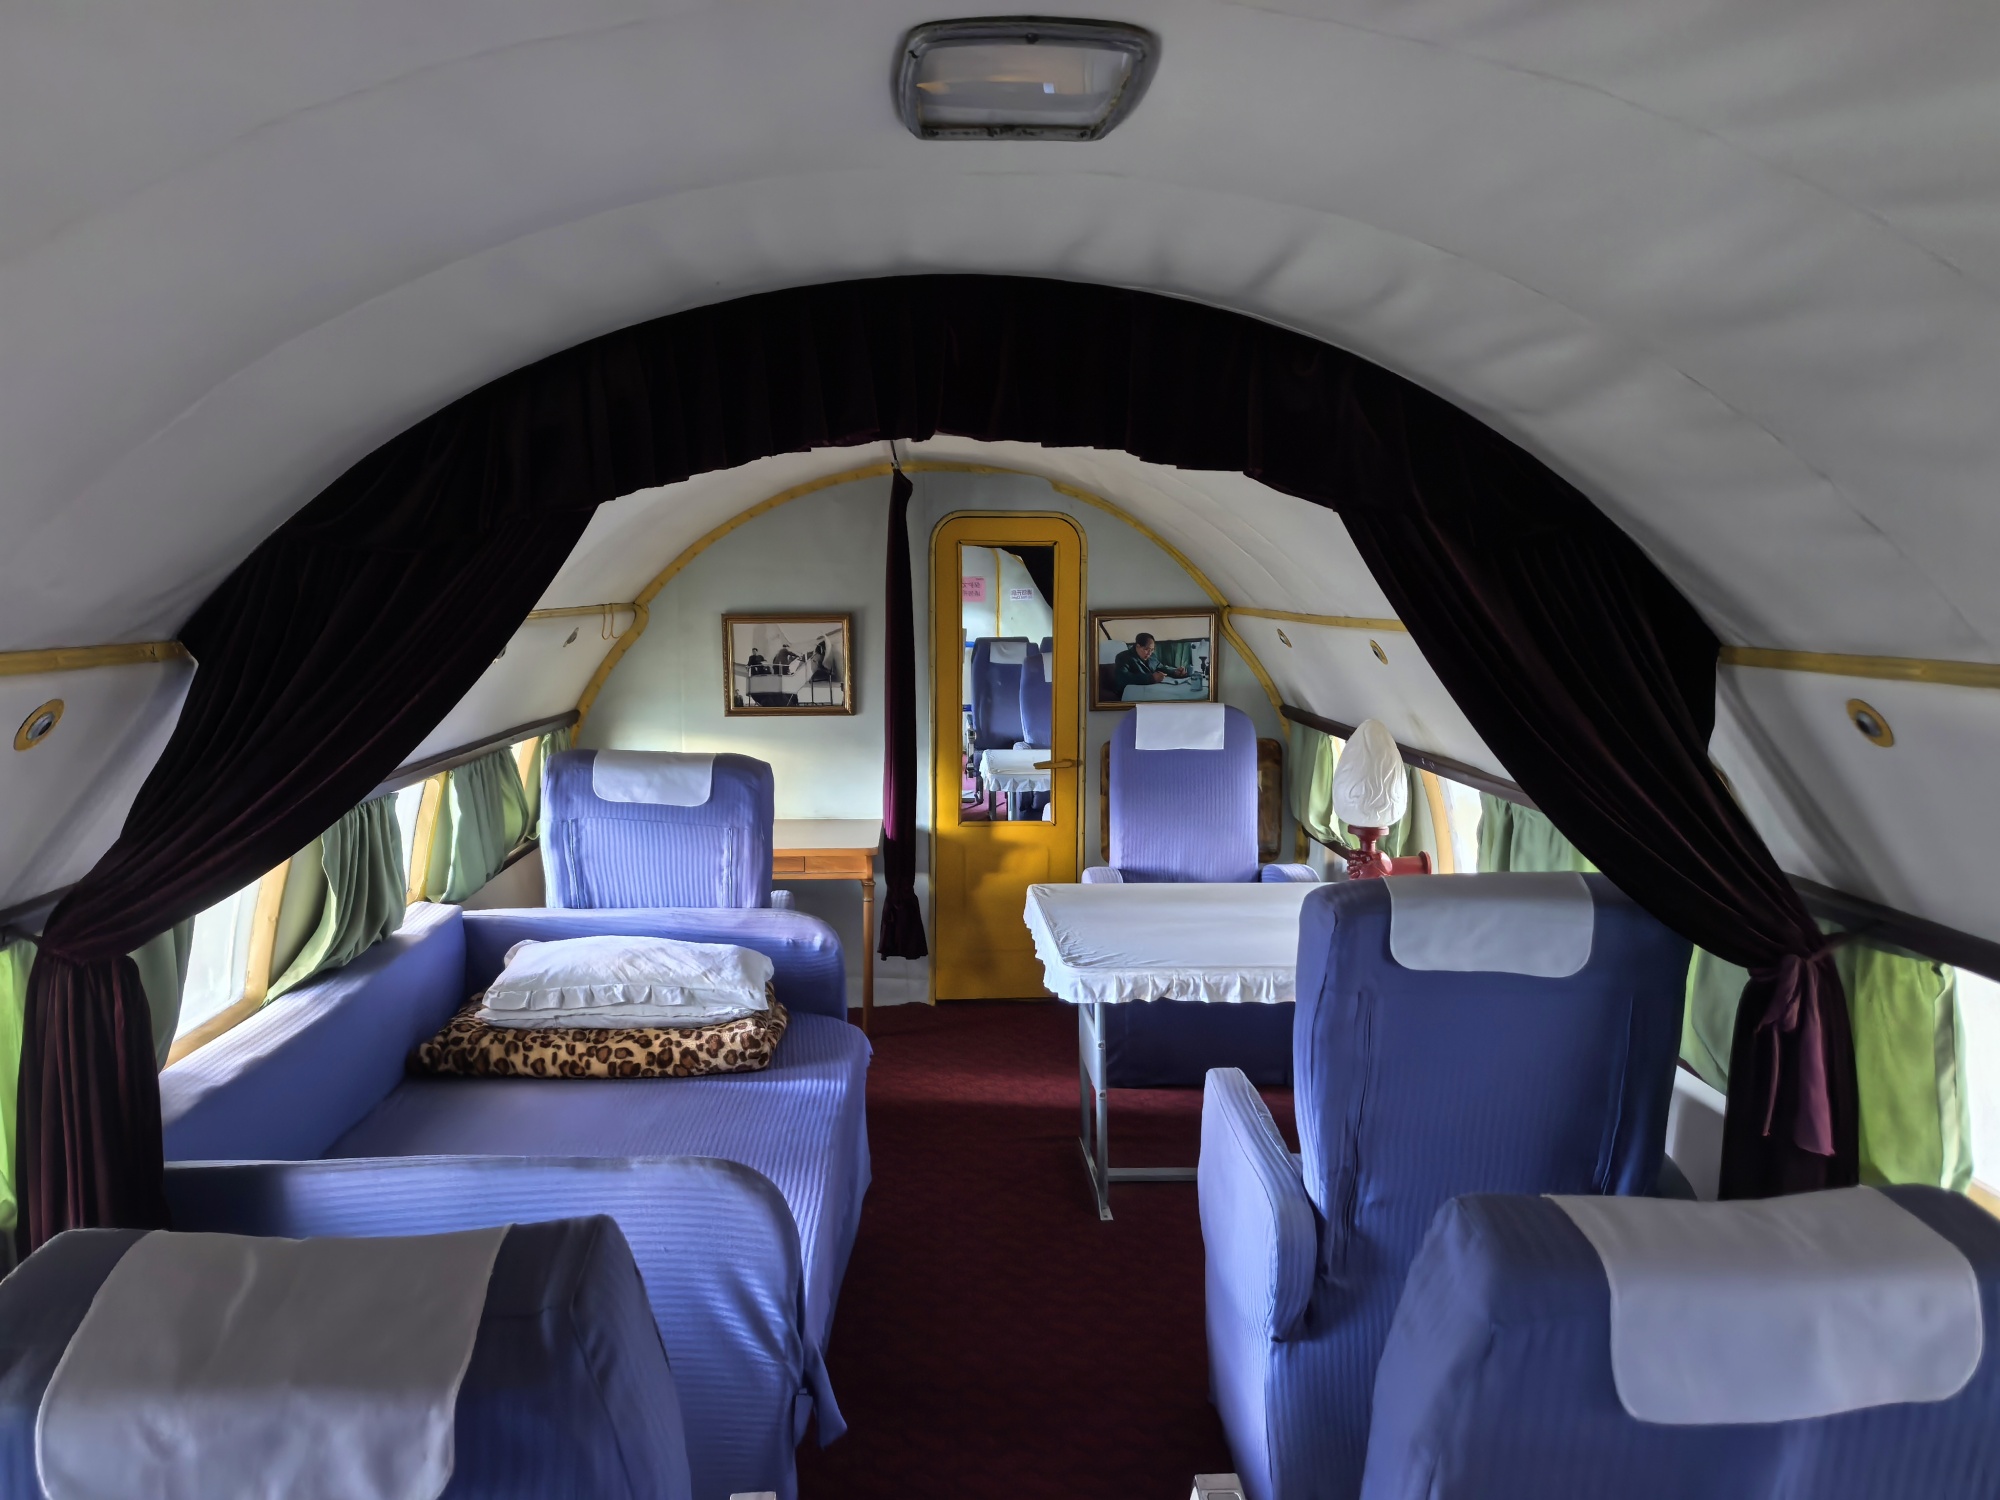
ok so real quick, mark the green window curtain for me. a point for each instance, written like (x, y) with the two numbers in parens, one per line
(163, 971)
(15, 960)
(351, 884)
(1909, 1046)
(1309, 770)
(1173, 655)
(552, 743)
(481, 817)
(1512, 837)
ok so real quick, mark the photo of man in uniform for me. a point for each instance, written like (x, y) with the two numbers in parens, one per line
(1134, 666)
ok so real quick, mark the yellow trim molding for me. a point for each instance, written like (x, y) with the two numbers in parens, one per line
(77, 658)
(576, 611)
(1331, 622)
(1973, 674)
(641, 605)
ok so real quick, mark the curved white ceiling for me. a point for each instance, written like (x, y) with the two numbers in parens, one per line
(1731, 269)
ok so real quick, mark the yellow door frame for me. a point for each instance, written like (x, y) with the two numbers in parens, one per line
(984, 528)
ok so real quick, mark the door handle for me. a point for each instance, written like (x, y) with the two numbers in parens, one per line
(1057, 765)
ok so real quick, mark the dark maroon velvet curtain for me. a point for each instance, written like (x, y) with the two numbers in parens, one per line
(328, 654)
(902, 917)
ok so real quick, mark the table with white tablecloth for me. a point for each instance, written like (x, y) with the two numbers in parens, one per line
(1119, 944)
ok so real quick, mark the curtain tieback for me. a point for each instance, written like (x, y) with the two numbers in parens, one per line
(1798, 988)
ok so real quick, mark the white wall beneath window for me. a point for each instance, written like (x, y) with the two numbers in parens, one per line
(825, 552)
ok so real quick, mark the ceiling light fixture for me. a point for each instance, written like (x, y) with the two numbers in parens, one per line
(1021, 78)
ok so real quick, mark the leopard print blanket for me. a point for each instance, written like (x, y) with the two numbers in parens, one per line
(471, 1048)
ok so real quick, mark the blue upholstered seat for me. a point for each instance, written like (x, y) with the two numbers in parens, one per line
(1411, 1087)
(598, 853)
(996, 694)
(740, 1195)
(1037, 696)
(1496, 1384)
(568, 1391)
(1189, 815)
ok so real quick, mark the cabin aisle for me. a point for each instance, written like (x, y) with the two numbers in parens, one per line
(993, 1338)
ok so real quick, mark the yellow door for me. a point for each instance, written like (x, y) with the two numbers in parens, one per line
(1009, 579)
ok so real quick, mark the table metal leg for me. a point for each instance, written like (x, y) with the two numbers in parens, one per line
(1095, 1138)
(867, 951)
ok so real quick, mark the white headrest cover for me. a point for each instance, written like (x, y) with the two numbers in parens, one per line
(1782, 1308)
(1008, 653)
(1541, 925)
(1180, 726)
(1369, 787)
(1048, 667)
(662, 777)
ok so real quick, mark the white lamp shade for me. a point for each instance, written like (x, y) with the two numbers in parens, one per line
(1369, 787)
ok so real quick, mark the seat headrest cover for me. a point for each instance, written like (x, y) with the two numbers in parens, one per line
(1180, 726)
(1048, 666)
(1780, 1309)
(1369, 787)
(666, 777)
(1541, 925)
(1008, 653)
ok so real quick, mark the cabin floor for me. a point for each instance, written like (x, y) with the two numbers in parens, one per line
(994, 1338)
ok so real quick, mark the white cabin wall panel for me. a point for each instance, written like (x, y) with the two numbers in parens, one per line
(1589, 262)
(1334, 673)
(541, 673)
(1911, 825)
(63, 801)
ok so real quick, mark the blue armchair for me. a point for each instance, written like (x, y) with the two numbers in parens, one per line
(1427, 1066)
(640, 847)
(1190, 816)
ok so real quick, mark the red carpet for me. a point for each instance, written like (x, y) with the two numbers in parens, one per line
(994, 1338)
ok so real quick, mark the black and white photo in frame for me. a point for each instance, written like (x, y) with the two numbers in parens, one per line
(788, 664)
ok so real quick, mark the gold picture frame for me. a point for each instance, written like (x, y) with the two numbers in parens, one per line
(787, 666)
(1195, 634)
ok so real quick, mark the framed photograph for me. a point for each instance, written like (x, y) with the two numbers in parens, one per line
(1153, 656)
(788, 664)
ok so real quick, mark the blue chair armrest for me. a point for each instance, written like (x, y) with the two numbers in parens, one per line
(714, 1241)
(1102, 875)
(1258, 1228)
(1294, 874)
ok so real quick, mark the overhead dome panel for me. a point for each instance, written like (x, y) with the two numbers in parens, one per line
(1022, 78)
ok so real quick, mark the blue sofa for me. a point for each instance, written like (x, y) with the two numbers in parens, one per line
(740, 1195)
(1413, 1086)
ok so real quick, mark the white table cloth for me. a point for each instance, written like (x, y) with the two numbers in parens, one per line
(1013, 770)
(1234, 944)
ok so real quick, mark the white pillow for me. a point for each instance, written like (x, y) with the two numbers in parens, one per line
(626, 981)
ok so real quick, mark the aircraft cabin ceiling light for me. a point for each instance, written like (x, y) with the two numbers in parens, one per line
(1022, 78)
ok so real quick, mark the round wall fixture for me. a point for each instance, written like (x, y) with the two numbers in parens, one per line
(1380, 655)
(1868, 719)
(39, 725)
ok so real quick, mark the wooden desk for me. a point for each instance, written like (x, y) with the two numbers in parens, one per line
(834, 849)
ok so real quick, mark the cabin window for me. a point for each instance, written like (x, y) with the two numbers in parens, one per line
(219, 960)
(1979, 1008)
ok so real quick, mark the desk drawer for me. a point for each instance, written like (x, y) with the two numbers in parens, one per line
(788, 864)
(854, 865)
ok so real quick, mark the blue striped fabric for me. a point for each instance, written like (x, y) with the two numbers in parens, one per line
(801, 1123)
(1410, 1089)
(567, 1393)
(1037, 697)
(1187, 815)
(601, 854)
(286, 1083)
(1496, 1385)
(996, 696)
